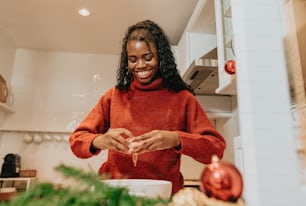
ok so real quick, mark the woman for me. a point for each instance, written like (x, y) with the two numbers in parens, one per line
(150, 118)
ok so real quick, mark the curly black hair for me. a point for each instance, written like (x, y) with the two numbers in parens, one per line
(150, 32)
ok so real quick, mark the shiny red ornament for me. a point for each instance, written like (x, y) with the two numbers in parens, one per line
(230, 66)
(222, 180)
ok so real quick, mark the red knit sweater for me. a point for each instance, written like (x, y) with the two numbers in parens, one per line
(146, 108)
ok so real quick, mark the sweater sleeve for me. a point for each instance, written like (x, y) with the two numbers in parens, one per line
(200, 140)
(95, 123)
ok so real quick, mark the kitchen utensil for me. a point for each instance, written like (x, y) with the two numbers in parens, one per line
(27, 138)
(48, 137)
(58, 138)
(37, 139)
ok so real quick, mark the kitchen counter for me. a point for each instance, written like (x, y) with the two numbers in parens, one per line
(192, 183)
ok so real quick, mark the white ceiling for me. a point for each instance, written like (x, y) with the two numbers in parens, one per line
(56, 24)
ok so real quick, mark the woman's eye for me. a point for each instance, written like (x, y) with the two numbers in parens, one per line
(148, 57)
(132, 59)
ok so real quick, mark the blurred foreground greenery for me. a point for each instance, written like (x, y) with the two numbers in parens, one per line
(93, 192)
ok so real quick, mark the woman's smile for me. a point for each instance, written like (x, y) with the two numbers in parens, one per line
(143, 74)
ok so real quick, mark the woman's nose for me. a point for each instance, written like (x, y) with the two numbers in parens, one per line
(140, 63)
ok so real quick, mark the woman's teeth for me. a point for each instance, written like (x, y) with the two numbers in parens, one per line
(142, 73)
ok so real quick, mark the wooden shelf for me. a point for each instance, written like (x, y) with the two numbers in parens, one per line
(4, 107)
(28, 180)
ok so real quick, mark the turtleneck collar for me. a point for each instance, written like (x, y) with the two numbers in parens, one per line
(154, 85)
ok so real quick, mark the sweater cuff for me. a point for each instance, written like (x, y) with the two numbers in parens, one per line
(93, 149)
(178, 147)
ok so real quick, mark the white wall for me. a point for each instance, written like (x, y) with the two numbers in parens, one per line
(52, 93)
(7, 55)
(7, 58)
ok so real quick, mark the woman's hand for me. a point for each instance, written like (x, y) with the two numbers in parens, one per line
(154, 140)
(114, 139)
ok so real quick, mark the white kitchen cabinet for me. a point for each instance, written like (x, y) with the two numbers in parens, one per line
(225, 45)
(198, 39)
(199, 36)
(209, 27)
(193, 46)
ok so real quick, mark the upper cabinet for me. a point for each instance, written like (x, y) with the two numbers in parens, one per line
(208, 32)
(197, 60)
(193, 46)
(199, 39)
(225, 45)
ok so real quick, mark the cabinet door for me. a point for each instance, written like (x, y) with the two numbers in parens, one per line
(193, 46)
(225, 40)
(182, 53)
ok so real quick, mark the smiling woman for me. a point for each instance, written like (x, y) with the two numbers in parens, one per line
(150, 114)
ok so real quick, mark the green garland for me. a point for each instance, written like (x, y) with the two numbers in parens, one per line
(94, 193)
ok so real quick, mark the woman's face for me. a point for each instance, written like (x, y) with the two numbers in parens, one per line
(142, 60)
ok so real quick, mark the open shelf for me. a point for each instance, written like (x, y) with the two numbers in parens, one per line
(20, 130)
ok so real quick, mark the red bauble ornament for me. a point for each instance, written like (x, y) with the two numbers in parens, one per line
(230, 66)
(222, 180)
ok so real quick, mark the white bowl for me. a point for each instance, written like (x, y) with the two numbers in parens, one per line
(144, 187)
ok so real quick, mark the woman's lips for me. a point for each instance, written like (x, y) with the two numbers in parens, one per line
(143, 74)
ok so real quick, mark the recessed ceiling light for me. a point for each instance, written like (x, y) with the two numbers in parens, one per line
(84, 12)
